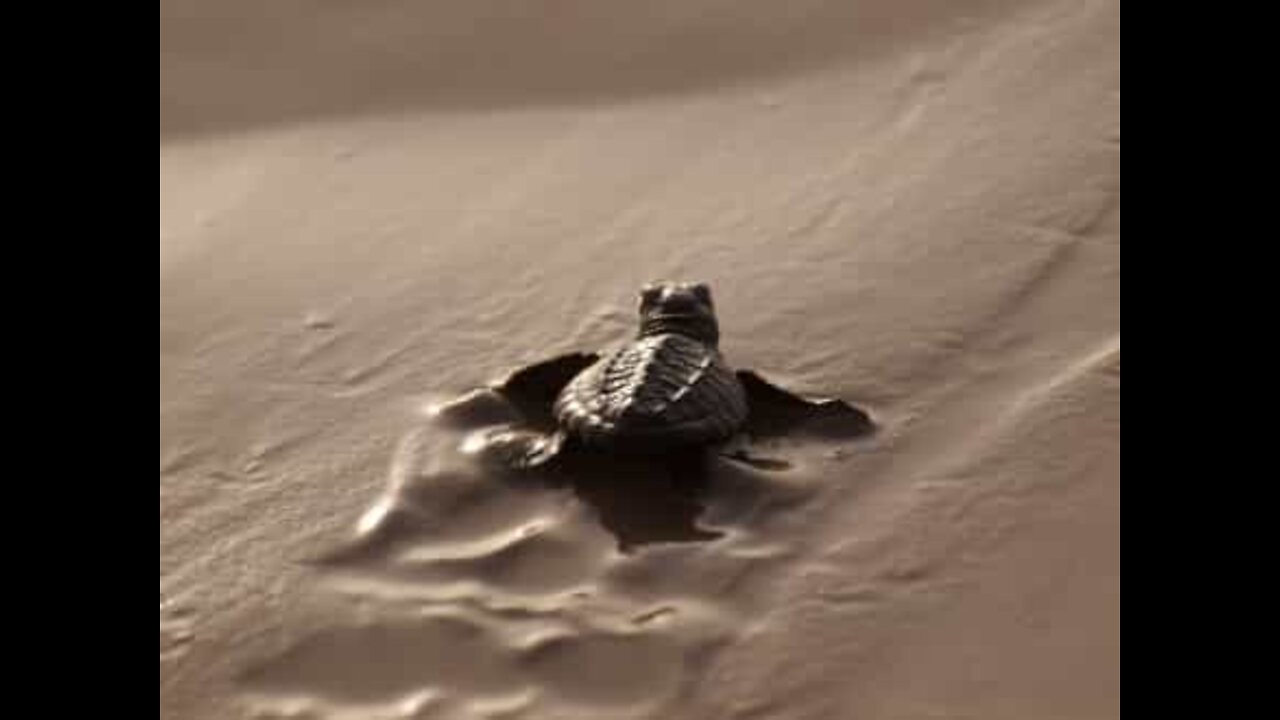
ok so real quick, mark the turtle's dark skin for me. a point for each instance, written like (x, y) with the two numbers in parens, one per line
(667, 390)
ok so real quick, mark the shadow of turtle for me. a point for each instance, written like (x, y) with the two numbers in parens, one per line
(640, 499)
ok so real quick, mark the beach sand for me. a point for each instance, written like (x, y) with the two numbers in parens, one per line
(369, 208)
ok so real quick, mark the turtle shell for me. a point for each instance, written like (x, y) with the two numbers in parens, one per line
(656, 392)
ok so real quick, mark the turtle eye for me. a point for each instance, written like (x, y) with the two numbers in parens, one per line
(703, 293)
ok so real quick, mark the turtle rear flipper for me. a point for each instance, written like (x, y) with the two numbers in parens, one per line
(775, 411)
(515, 449)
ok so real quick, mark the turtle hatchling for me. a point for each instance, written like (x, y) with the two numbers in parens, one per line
(666, 389)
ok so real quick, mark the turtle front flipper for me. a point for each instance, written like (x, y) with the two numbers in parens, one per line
(774, 411)
(524, 397)
(532, 390)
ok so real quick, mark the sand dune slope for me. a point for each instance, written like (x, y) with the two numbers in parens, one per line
(366, 209)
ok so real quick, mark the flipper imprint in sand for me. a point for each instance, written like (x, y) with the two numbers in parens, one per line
(597, 590)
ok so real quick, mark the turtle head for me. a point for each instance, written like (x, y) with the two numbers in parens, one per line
(680, 308)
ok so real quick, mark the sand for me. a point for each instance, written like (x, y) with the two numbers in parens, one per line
(367, 209)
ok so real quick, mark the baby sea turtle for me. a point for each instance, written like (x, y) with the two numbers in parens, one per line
(668, 389)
